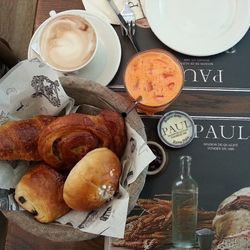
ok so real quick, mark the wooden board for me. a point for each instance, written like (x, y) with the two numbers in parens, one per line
(17, 19)
(45, 6)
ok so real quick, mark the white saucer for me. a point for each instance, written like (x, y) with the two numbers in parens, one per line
(106, 62)
(199, 27)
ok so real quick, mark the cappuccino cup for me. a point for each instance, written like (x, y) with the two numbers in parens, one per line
(68, 42)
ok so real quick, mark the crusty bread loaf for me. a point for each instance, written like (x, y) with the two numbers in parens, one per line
(93, 180)
(232, 221)
(40, 191)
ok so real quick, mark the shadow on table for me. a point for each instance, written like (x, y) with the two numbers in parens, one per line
(3, 230)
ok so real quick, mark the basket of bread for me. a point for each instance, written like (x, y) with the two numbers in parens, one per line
(74, 169)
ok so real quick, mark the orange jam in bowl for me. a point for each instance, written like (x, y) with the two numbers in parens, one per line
(155, 78)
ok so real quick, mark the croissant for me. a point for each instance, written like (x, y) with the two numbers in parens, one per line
(18, 139)
(67, 139)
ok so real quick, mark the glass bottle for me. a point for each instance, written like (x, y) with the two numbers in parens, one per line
(184, 206)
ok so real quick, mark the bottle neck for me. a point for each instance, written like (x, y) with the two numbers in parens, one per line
(185, 162)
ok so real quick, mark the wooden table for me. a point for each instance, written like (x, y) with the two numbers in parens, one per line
(199, 102)
(16, 24)
(45, 6)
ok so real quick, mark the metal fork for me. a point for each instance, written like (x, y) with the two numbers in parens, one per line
(127, 22)
(129, 18)
(123, 23)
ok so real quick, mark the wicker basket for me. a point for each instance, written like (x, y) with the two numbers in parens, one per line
(84, 92)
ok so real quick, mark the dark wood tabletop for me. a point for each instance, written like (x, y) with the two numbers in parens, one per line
(45, 6)
(201, 102)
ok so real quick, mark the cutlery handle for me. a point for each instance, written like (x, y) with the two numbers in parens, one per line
(118, 14)
(122, 21)
(133, 40)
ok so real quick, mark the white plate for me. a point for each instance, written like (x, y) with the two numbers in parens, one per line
(199, 27)
(106, 62)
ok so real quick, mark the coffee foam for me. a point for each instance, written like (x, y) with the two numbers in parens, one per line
(68, 42)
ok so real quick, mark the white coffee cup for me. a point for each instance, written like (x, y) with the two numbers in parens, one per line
(67, 42)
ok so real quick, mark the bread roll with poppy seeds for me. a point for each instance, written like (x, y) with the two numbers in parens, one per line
(93, 180)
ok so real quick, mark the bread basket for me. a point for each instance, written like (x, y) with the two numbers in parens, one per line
(91, 93)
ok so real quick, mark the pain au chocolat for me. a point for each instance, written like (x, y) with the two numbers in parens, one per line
(40, 192)
(18, 139)
(93, 180)
(67, 139)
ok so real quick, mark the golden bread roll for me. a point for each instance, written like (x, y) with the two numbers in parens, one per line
(18, 139)
(93, 180)
(40, 191)
(66, 140)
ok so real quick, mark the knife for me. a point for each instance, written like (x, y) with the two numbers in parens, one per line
(133, 42)
(118, 14)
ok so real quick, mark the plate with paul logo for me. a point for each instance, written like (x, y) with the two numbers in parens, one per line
(107, 59)
(199, 27)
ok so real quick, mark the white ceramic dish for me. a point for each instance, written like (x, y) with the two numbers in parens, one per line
(106, 62)
(199, 27)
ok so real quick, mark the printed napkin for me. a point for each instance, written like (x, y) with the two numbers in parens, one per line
(102, 7)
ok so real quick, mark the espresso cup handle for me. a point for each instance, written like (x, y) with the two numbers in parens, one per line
(52, 13)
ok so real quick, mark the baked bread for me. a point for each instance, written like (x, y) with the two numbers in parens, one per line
(116, 125)
(232, 221)
(66, 140)
(40, 191)
(18, 139)
(235, 242)
(93, 181)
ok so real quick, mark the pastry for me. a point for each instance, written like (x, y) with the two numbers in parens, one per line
(93, 181)
(66, 140)
(40, 191)
(116, 126)
(18, 139)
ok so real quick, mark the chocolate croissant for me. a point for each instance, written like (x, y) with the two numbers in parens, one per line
(18, 139)
(67, 139)
(40, 191)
